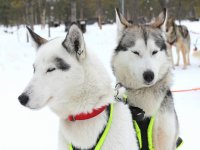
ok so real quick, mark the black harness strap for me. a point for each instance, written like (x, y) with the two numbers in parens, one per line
(179, 142)
(137, 113)
(108, 114)
(144, 124)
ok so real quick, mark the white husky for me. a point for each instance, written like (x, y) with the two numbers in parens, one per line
(75, 85)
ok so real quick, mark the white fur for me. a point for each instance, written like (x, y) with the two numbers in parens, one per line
(165, 131)
(85, 86)
(83, 133)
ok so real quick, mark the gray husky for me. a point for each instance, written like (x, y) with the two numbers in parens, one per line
(74, 84)
(141, 64)
(179, 36)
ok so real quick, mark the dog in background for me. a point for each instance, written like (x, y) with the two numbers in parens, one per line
(178, 36)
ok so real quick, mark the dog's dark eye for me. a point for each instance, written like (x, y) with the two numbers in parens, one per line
(136, 53)
(51, 69)
(154, 52)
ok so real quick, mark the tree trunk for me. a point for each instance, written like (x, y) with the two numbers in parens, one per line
(81, 9)
(164, 3)
(29, 15)
(99, 13)
(73, 11)
(43, 18)
(134, 10)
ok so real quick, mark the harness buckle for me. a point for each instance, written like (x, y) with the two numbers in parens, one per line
(137, 113)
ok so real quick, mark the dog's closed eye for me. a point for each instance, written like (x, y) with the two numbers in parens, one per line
(50, 69)
(154, 52)
(136, 53)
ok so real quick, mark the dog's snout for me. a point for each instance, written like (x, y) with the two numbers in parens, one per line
(23, 99)
(148, 76)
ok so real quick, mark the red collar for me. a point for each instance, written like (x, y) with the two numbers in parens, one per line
(85, 116)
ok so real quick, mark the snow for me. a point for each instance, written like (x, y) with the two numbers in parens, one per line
(22, 129)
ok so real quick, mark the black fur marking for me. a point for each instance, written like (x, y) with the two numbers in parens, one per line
(130, 43)
(76, 45)
(120, 48)
(168, 103)
(126, 42)
(169, 93)
(61, 64)
(39, 40)
(163, 47)
(159, 41)
(145, 35)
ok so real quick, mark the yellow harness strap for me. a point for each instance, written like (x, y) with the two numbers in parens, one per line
(149, 134)
(105, 133)
(149, 131)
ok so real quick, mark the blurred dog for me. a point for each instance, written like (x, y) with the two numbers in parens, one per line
(178, 36)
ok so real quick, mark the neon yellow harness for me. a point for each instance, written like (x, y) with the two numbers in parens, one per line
(149, 132)
(105, 133)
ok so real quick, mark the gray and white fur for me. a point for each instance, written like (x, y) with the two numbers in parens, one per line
(141, 63)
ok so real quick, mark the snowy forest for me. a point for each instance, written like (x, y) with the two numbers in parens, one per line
(15, 12)
(26, 129)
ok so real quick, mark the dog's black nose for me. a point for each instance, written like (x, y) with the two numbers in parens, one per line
(23, 99)
(148, 76)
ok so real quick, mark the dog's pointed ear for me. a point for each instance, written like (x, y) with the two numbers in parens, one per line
(161, 20)
(74, 42)
(121, 22)
(36, 40)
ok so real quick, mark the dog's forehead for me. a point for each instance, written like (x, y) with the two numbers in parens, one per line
(50, 50)
(135, 34)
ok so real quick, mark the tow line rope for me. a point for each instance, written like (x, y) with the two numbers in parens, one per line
(194, 32)
(187, 90)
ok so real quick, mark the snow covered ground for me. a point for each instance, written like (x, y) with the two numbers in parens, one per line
(24, 129)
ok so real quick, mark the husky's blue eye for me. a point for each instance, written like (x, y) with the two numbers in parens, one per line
(136, 53)
(51, 69)
(154, 52)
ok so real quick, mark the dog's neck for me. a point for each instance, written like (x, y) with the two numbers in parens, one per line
(149, 98)
(93, 91)
(84, 133)
(87, 115)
